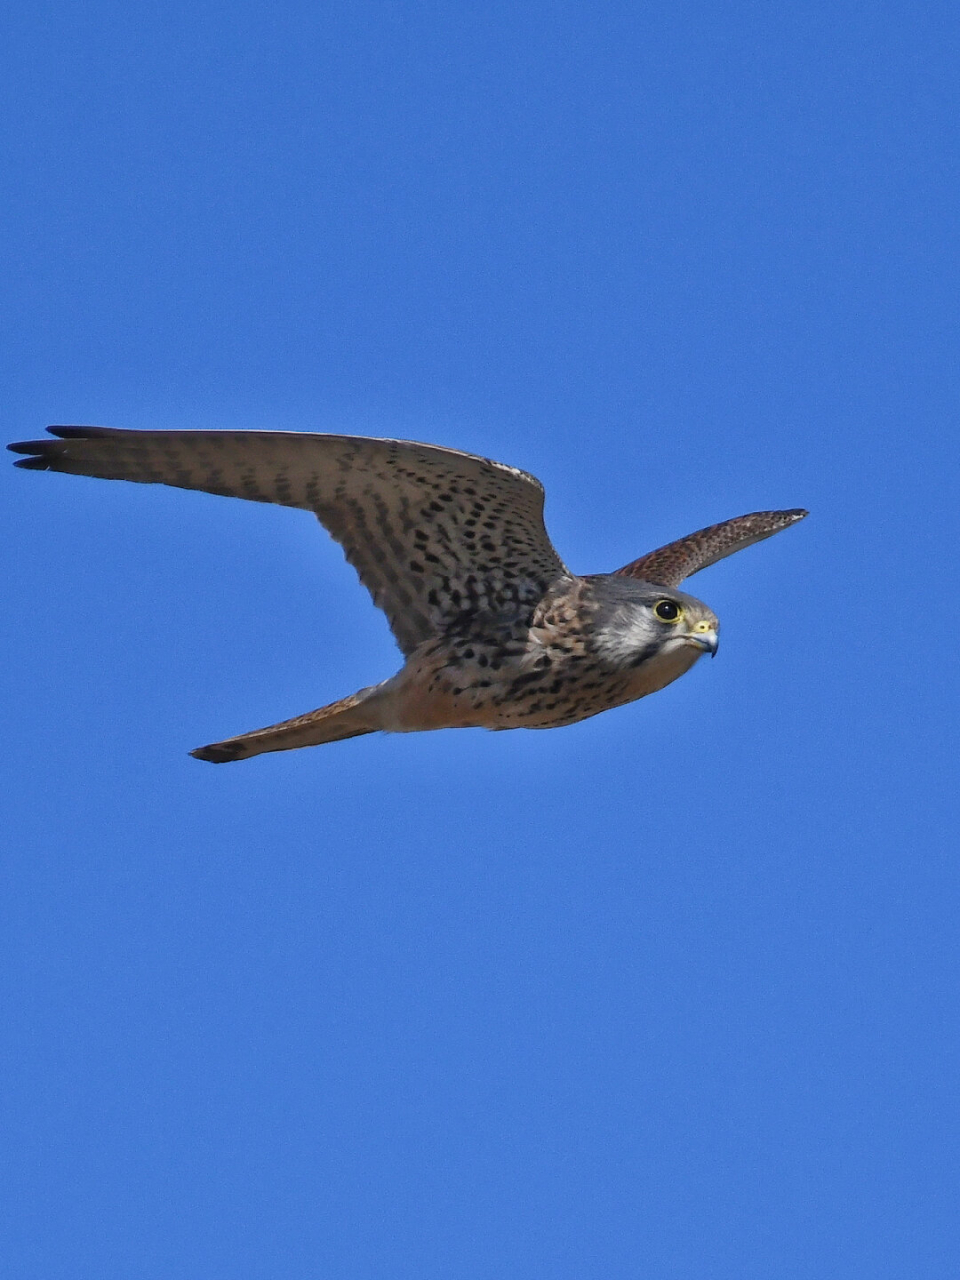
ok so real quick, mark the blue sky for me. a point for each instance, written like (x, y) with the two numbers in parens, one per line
(670, 993)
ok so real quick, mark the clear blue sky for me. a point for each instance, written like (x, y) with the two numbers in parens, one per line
(667, 995)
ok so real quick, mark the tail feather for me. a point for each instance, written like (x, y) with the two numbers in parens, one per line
(348, 718)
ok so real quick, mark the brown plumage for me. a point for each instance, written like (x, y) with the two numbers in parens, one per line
(496, 631)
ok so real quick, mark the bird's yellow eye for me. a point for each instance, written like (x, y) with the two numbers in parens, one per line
(668, 611)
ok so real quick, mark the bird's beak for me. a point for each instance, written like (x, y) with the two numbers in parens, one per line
(708, 641)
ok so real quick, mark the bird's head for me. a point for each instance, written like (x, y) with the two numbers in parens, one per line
(639, 623)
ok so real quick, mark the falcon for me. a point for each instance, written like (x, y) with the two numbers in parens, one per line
(495, 629)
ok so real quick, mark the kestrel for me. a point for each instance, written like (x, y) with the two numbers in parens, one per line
(496, 630)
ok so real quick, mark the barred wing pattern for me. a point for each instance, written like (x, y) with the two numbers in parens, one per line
(432, 532)
(668, 566)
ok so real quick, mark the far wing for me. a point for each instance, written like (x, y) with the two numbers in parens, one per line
(431, 532)
(669, 565)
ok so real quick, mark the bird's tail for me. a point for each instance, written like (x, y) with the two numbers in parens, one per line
(348, 718)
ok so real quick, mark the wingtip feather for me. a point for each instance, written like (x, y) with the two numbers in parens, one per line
(81, 433)
(28, 446)
(218, 753)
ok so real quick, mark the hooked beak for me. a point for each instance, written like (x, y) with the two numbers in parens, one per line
(708, 641)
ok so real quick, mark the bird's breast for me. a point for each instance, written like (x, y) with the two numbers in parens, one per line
(520, 683)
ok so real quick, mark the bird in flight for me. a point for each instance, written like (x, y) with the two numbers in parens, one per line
(495, 629)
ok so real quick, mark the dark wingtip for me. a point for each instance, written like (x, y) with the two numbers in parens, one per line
(47, 453)
(28, 446)
(79, 433)
(33, 464)
(218, 753)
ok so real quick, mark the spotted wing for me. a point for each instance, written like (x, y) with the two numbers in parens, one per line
(433, 533)
(669, 565)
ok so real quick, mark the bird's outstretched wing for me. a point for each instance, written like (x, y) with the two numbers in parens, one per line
(669, 565)
(432, 532)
